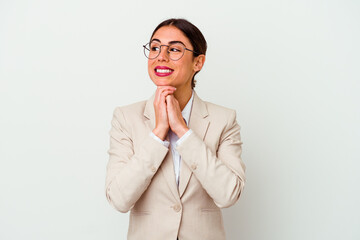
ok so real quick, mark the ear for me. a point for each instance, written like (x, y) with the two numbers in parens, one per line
(199, 62)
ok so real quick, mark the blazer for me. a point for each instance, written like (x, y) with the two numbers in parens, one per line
(141, 178)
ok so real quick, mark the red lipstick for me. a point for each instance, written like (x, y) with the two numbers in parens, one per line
(163, 71)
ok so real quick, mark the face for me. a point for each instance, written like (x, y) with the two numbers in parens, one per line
(165, 72)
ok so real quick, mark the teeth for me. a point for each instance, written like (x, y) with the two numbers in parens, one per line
(163, 70)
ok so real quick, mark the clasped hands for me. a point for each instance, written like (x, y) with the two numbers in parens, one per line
(168, 113)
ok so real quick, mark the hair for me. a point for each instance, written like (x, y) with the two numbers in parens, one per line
(194, 35)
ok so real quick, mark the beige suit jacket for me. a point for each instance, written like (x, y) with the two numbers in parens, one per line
(141, 178)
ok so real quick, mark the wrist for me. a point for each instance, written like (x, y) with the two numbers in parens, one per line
(181, 131)
(160, 132)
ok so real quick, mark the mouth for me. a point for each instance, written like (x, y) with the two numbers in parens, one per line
(163, 71)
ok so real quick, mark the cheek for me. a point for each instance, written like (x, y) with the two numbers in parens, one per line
(186, 69)
(187, 64)
(150, 68)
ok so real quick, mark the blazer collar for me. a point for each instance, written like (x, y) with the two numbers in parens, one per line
(149, 111)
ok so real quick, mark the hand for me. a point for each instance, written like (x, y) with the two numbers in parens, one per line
(161, 116)
(175, 118)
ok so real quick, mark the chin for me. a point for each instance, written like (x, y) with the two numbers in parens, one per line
(162, 83)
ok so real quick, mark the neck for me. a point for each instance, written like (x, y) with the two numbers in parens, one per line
(183, 96)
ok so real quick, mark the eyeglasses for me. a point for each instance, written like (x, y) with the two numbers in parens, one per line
(175, 50)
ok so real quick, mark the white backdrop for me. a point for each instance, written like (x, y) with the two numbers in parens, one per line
(289, 68)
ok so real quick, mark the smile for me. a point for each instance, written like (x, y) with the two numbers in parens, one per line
(162, 71)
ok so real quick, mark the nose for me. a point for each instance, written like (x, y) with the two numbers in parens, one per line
(163, 55)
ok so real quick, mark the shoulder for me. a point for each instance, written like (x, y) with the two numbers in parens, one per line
(217, 114)
(220, 113)
(130, 111)
(133, 108)
(204, 107)
(223, 120)
(215, 108)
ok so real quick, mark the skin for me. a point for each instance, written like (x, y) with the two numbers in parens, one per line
(173, 91)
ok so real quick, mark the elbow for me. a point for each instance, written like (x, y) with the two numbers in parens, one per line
(118, 205)
(117, 201)
(231, 196)
(122, 209)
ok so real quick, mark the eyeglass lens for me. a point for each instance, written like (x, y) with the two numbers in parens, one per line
(175, 51)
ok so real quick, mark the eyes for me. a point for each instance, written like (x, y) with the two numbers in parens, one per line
(174, 48)
(154, 49)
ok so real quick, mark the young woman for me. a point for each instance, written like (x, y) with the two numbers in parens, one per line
(175, 160)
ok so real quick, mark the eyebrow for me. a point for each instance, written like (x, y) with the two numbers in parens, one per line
(171, 42)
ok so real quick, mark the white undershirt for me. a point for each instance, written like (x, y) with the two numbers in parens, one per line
(174, 140)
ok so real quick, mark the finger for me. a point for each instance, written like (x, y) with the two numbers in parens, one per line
(169, 99)
(165, 88)
(171, 104)
(162, 92)
(172, 100)
(165, 94)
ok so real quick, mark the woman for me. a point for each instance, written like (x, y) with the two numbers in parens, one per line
(175, 160)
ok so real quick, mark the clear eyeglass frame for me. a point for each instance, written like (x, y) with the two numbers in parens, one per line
(173, 55)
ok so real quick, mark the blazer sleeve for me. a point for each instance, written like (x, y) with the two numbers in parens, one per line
(129, 173)
(221, 173)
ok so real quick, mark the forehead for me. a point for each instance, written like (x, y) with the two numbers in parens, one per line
(168, 34)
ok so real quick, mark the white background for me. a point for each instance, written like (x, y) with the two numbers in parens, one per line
(289, 68)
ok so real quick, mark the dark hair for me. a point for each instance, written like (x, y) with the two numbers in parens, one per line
(194, 35)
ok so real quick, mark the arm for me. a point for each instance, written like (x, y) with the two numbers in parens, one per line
(129, 173)
(221, 174)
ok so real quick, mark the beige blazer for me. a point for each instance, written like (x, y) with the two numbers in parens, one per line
(141, 178)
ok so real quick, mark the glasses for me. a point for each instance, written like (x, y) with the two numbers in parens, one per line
(175, 50)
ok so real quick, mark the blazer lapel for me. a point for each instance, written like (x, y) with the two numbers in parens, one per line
(149, 113)
(198, 124)
(167, 166)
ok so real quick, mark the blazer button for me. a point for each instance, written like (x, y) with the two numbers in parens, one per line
(193, 166)
(153, 169)
(177, 208)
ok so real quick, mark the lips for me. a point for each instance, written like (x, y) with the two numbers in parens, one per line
(163, 71)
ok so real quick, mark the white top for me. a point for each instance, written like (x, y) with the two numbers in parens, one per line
(174, 140)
